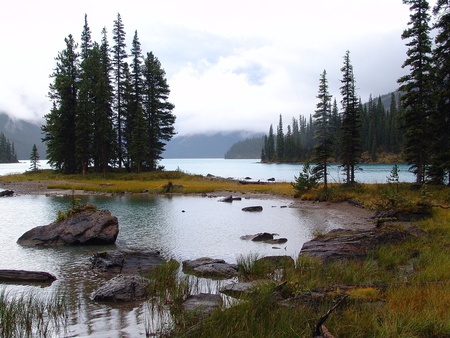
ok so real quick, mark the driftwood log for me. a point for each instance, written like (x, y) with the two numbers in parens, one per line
(22, 276)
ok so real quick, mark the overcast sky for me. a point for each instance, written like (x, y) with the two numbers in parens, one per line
(230, 65)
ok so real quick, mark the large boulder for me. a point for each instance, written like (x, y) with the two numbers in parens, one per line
(349, 244)
(209, 267)
(122, 289)
(86, 227)
(126, 262)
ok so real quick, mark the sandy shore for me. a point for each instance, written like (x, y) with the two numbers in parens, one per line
(345, 214)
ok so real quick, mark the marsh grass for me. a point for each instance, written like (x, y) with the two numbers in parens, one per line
(29, 315)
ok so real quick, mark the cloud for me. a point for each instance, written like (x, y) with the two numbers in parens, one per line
(230, 65)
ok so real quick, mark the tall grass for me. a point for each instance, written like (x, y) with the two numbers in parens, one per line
(29, 315)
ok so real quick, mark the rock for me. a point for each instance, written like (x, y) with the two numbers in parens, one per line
(272, 179)
(230, 199)
(88, 227)
(208, 267)
(264, 237)
(253, 208)
(202, 304)
(122, 289)
(23, 276)
(6, 193)
(278, 261)
(348, 244)
(127, 262)
(242, 289)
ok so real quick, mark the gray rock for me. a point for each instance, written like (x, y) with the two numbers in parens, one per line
(6, 193)
(208, 267)
(122, 289)
(264, 237)
(253, 208)
(243, 289)
(88, 227)
(348, 244)
(127, 262)
(202, 304)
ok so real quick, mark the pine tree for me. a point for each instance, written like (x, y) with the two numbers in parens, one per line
(86, 99)
(351, 123)
(417, 88)
(119, 63)
(34, 159)
(440, 119)
(157, 109)
(135, 97)
(280, 141)
(323, 136)
(104, 137)
(59, 128)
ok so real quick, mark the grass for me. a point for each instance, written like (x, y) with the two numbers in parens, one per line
(400, 290)
(28, 315)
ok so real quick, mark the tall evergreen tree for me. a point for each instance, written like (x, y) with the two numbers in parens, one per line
(440, 158)
(323, 136)
(157, 109)
(280, 141)
(417, 88)
(86, 101)
(59, 129)
(34, 159)
(119, 56)
(351, 122)
(7, 151)
(135, 97)
(104, 137)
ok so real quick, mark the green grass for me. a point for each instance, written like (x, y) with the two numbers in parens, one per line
(29, 315)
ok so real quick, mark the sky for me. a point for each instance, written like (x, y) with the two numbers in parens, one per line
(230, 65)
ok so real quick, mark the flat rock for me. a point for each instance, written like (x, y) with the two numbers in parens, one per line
(126, 262)
(202, 304)
(243, 289)
(348, 244)
(209, 267)
(122, 289)
(264, 237)
(255, 208)
(87, 227)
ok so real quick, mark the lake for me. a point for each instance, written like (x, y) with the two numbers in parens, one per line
(239, 169)
(181, 227)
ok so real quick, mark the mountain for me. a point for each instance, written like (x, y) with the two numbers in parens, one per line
(23, 134)
(249, 148)
(204, 145)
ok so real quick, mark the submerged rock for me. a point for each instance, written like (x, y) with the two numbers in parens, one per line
(5, 193)
(264, 237)
(128, 262)
(122, 289)
(202, 304)
(86, 227)
(209, 267)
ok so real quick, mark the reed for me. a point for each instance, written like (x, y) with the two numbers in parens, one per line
(28, 315)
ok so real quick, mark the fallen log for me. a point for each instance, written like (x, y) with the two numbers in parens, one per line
(22, 276)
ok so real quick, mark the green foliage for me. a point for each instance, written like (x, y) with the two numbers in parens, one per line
(93, 126)
(34, 159)
(7, 151)
(306, 180)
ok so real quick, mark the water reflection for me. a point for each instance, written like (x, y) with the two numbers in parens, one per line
(182, 227)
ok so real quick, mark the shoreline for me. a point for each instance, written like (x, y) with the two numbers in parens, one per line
(348, 216)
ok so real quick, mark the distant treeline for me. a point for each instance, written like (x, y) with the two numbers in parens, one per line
(379, 130)
(7, 151)
(248, 148)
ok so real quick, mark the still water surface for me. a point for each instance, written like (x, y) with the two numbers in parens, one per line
(182, 227)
